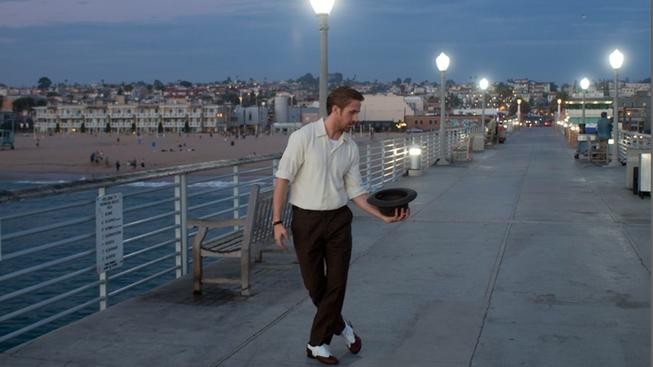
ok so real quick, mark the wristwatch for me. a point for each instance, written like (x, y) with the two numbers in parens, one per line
(277, 222)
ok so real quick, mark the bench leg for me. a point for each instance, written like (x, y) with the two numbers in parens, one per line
(245, 269)
(259, 255)
(197, 260)
(197, 272)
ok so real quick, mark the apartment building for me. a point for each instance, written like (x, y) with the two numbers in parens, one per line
(121, 117)
(126, 117)
(95, 118)
(147, 117)
(215, 117)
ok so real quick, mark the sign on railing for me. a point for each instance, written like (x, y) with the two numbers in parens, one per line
(108, 222)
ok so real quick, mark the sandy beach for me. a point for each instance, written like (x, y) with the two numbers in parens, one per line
(70, 154)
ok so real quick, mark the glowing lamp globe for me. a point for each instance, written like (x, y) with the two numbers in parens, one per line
(442, 62)
(322, 6)
(484, 83)
(584, 83)
(616, 59)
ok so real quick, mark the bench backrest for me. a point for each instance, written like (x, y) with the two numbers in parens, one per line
(261, 217)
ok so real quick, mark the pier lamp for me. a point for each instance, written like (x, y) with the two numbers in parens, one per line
(322, 9)
(442, 62)
(483, 84)
(415, 160)
(584, 84)
(519, 111)
(616, 61)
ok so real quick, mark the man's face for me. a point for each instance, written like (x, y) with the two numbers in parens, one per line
(348, 116)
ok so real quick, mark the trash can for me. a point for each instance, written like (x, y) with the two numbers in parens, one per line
(644, 173)
(632, 162)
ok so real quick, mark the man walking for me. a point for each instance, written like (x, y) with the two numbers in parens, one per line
(321, 163)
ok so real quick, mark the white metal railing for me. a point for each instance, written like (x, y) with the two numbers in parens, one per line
(48, 271)
(629, 140)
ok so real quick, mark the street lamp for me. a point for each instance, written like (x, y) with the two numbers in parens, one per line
(483, 84)
(442, 62)
(322, 9)
(559, 112)
(616, 61)
(584, 84)
(519, 111)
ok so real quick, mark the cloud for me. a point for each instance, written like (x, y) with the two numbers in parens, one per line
(24, 13)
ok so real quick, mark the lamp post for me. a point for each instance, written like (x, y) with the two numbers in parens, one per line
(322, 9)
(616, 61)
(442, 62)
(584, 84)
(519, 111)
(650, 114)
(483, 84)
(559, 112)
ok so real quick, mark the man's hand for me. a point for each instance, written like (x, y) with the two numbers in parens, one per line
(400, 215)
(280, 235)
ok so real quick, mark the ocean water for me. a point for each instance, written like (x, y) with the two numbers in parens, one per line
(147, 209)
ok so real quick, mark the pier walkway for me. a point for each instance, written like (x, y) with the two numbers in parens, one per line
(523, 257)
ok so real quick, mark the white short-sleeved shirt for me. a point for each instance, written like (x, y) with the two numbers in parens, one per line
(322, 176)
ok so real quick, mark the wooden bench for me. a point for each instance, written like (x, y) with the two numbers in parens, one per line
(254, 234)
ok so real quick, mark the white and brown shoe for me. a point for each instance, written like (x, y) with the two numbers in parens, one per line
(353, 341)
(321, 353)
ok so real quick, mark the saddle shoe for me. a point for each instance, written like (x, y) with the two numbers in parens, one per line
(321, 353)
(353, 341)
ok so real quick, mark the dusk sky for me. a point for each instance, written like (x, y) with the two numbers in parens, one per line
(210, 40)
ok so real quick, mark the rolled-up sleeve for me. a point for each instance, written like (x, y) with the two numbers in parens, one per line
(292, 158)
(353, 180)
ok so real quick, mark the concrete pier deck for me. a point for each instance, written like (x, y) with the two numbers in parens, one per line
(523, 257)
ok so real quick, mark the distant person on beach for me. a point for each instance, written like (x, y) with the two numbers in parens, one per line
(322, 157)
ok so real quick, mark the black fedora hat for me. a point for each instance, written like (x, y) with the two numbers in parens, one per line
(390, 199)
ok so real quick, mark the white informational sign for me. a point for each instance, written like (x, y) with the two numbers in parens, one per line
(108, 233)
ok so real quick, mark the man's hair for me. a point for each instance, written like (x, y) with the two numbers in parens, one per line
(341, 97)
(604, 114)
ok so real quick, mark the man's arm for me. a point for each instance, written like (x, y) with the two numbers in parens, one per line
(278, 201)
(361, 202)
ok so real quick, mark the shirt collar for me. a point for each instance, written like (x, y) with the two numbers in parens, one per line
(321, 130)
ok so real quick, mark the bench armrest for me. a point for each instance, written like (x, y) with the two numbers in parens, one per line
(215, 223)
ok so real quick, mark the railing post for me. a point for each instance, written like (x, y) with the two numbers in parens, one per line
(424, 156)
(394, 159)
(275, 167)
(236, 181)
(367, 165)
(616, 139)
(382, 163)
(181, 230)
(104, 295)
(402, 155)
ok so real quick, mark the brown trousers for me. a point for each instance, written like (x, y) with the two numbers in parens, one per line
(323, 244)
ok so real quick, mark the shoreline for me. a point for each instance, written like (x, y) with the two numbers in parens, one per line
(77, 156)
